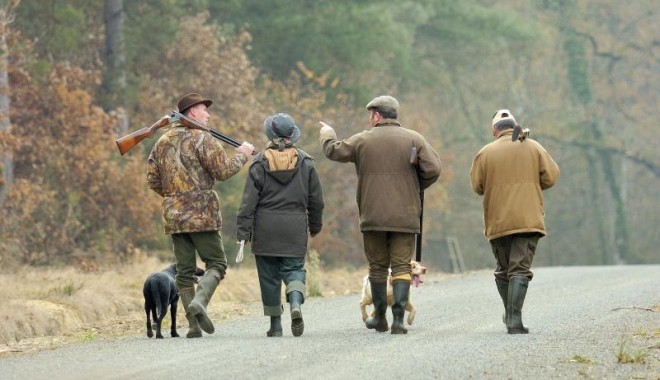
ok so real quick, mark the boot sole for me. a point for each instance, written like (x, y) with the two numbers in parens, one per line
(276, 333)
(194, 335)
(379, 328)
(517, 330)
(384, 327)
(202, 318)
(205, 323)
(297, 323)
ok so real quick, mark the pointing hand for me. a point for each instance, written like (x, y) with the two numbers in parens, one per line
(325, 127)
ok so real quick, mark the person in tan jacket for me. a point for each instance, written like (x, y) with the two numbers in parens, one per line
(393, 163)
(511, 176)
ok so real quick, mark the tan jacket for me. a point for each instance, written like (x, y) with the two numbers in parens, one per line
(511, 176)
(388, 184)
(183, 167)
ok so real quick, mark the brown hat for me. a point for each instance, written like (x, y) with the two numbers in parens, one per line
(191, 100)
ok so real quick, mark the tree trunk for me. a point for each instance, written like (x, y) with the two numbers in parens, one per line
(6, 156)
(114, 57)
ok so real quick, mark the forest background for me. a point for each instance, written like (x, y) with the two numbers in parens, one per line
(75, 75)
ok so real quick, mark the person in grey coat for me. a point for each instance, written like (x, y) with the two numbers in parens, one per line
(282, 201)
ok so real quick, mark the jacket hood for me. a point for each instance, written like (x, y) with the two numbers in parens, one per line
(285, 176)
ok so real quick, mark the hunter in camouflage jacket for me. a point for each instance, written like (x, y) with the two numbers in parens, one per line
(183, 167)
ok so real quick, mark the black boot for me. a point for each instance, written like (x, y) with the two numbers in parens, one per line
(400, 290)
(379, 296)
(516, 298)
(503, 289)
(297, 323)
(275, 326)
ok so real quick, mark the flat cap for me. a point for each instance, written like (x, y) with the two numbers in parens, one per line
(383, 101)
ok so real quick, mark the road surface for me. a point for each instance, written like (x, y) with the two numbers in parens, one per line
(580, 320)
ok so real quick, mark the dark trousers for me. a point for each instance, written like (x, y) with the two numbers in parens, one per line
(272, 272)
(210, 249)
(386, 250)
(514, 254)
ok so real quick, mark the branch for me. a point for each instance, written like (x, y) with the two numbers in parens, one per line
(634, 307)
(653, 167)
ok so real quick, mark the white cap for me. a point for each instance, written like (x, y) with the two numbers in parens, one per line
(503, 116)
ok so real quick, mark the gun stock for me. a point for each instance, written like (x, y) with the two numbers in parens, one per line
(129, 141)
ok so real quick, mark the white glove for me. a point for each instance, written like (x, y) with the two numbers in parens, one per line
(239, 255)
(325, 127)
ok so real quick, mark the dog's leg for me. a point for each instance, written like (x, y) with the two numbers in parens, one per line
(173, 306)
(363, 309)
(411, 312)
(162, 312)
(157, 324)
(150, 331)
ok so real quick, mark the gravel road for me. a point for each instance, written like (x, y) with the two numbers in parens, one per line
(578, 318)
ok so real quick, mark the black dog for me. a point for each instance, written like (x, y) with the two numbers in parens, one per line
(160, 291)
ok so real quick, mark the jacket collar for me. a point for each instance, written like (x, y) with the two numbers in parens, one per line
(388, 123)
(506, 132)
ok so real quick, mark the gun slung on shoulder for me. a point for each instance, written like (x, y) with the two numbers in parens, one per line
(519, 133)
(129, 141)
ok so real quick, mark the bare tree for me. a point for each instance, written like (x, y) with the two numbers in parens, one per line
(114, 56)
(6, 156)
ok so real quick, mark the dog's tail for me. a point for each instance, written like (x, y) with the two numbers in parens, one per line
(160, 297)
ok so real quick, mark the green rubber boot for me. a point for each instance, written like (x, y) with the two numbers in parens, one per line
(186, 296)
(400, 290)
(275, 326)
(379, 319)
(516, 298)
(297, 323)
(198, 305)
(503, 289)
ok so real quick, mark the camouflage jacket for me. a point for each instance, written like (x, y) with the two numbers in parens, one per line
(183, 167)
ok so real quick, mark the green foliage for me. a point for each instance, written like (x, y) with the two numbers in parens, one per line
(68, 289)
(625, 356)
(581, 359)
(88, 336)
(578, 68)
(61, 30)
(313, 273)
(346, 38)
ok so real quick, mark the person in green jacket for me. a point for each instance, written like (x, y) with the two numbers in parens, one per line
(393, 164)
(511, 176)
(183, 167)
(282, 201)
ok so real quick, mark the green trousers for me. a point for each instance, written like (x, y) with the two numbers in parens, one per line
(210, 249)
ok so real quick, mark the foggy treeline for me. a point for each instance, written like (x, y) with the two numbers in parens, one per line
(75, 75)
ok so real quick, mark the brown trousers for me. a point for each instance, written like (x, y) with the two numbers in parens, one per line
(514, 254)
(386, 250)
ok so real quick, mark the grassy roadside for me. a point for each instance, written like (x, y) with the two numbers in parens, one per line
(42, 308)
